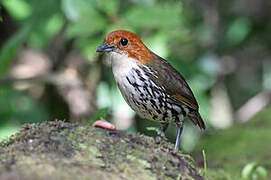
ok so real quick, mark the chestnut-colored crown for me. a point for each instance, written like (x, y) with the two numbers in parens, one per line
(135, 48)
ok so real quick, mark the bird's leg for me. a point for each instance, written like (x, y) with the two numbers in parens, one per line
(179, 133)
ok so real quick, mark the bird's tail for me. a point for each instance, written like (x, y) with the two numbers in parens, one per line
(196, 119)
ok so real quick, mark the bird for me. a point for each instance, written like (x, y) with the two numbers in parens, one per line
(150, 85)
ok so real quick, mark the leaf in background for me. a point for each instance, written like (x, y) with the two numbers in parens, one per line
(203, 33)
(254, 171)
(75, 10)
(41, 36)
(158, 43)
(108, 6)
(18, 108)
(88, 47)
(18, 9)
(85, 26)
(261, 171)
(152, 16)
(144, 2)
(10, 48)
(238, 31)
(41, 12)
(69, 7)
(85, 18)
(248, 169)
(209, 64)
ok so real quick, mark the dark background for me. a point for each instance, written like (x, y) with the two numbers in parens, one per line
(49, 70)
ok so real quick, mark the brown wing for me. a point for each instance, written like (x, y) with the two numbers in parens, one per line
(167, 76)
(175, 85)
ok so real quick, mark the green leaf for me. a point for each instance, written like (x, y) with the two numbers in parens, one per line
(108, 6)
(18, 9)
(261, 171)
(18, 108)
(152, 16)
(253, 171)
(238, 31)
(84, 16)
(75, 10)
(248, 169)
(144, 2)
(88, 47)
(84, 26)
(42, 35)
(42, 11)
(9, 50)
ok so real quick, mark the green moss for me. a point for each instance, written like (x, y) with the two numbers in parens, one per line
(141, 162)
(58, 150)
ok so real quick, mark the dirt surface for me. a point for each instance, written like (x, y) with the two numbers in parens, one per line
(58, 150)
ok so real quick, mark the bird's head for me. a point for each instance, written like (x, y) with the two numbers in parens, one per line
(126, 43)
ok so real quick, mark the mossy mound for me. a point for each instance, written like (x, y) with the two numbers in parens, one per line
(58, 150)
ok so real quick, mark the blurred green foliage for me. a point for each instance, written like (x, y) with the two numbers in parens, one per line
(241, 151)
(216, 45)
(100, 114)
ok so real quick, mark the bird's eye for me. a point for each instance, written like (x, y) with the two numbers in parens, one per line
(124, 41)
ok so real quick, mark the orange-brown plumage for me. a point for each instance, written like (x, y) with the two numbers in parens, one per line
(134, 49)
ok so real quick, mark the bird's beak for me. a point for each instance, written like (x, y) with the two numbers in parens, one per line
(105, 48)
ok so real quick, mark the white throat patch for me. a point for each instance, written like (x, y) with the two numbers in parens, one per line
(122, 65)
